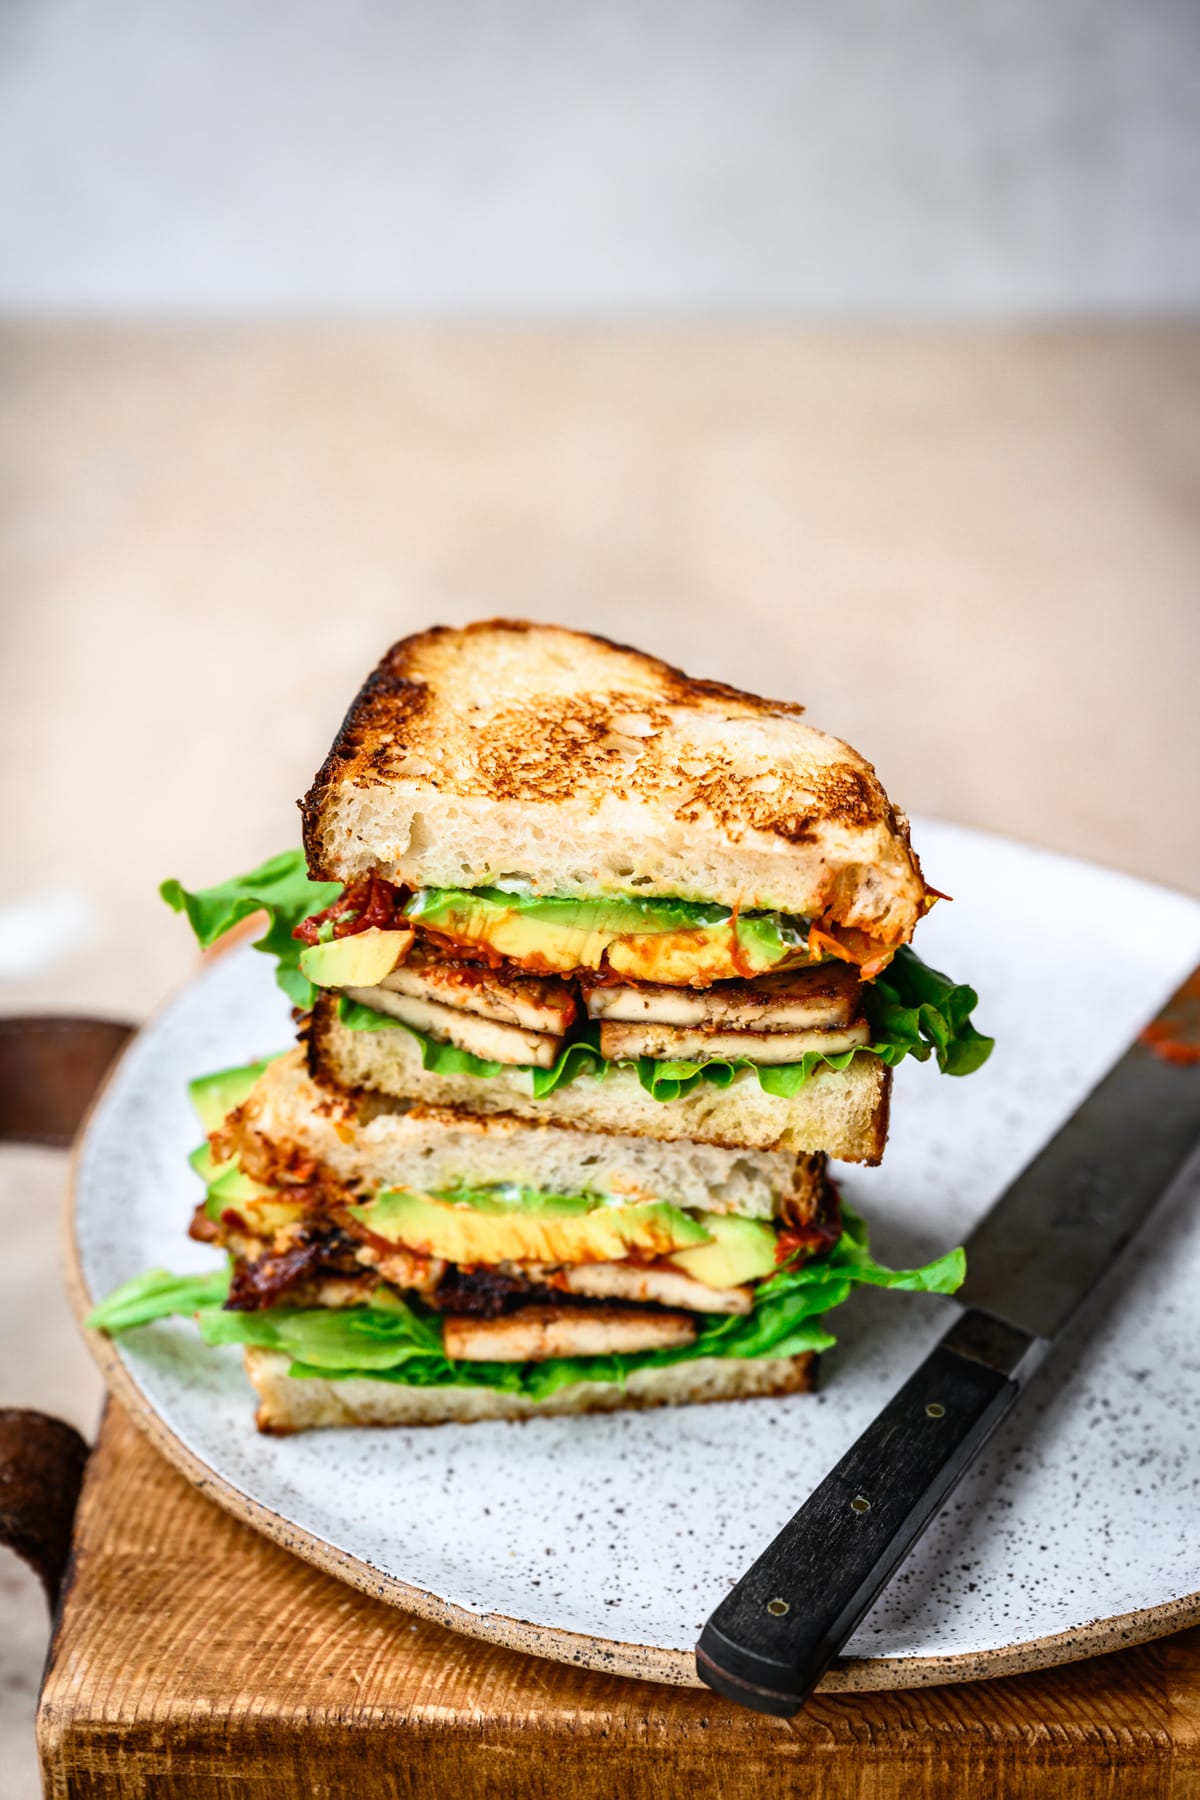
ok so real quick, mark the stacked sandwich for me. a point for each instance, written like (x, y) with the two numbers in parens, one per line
(594, 967)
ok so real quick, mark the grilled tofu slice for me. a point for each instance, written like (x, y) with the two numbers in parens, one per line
(402, 1268)
(670, 1043)
(661, 1287)
(797, 1000)
(538, 1332)
(535, 1003)
(482, 1037)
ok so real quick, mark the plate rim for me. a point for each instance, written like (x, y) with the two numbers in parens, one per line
(644, 1662)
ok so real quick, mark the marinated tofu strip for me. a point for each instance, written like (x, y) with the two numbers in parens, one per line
(660, 1287)
(799, 999)
(482, 1037)
(666, 1043)
(531, 1002)
(538, 1332)
(402, 1268)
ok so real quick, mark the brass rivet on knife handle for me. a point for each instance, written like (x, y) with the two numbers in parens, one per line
(832, 1558)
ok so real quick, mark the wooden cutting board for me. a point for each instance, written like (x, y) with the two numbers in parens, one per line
(192, 1657)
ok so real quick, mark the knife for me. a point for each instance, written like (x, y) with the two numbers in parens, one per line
(1031, 1262)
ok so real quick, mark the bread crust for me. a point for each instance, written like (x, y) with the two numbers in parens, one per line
(288, 1403)
(583, 766)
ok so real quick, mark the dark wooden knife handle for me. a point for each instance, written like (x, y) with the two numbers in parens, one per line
(771, 1639)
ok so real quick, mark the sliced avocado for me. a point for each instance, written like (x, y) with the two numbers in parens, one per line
(263, 1208)
(741, 1250)
(263, 1218)
(612, 913)
(707, 953)
(216, 1096)
(464, 1234)
(549, 933)
(360, 960)
(510, 1199)
(672, 941)
(206, 1165)
(547, 944)
(234, 1188)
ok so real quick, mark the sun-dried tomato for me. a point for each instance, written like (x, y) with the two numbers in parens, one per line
(368, 904)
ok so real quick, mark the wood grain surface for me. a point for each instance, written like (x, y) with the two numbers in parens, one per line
(194, 1658)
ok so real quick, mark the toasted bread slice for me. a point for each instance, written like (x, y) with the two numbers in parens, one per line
(844, 1113)
(508, 751)
(288, 1404)
(289, 1123)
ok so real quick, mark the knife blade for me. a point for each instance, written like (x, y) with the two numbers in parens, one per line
(1031, 1262)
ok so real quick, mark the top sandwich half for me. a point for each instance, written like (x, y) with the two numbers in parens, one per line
(544, 762)
(544, 843)
(552, 878)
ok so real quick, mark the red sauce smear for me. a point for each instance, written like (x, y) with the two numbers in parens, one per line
(737, 956)
(369, 904)
(1174, 1037)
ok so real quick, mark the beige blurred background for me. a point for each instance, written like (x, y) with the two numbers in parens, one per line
(851, 356)
(973, 554)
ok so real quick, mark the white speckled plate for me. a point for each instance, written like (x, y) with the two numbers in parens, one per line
(607, 1540)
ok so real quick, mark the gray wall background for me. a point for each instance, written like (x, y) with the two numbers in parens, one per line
(927, 158)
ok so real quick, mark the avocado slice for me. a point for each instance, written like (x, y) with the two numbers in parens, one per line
(261, 1207)
(206, 1165)
(360, 960)
(216, 1096)
(555, 936)
(741, 1250)
(261, 1217)
(673, 941)
(707, 953)
(463, 1233)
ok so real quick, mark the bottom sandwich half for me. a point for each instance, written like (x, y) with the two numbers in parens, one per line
(392, 1263)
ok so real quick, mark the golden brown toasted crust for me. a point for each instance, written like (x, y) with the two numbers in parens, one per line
(547, 748)
(511, 716)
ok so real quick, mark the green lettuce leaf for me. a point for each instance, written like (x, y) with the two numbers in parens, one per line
(916, 1010)
(156, 1295)
(280, 888)
(622, 914)
(396, 1341)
